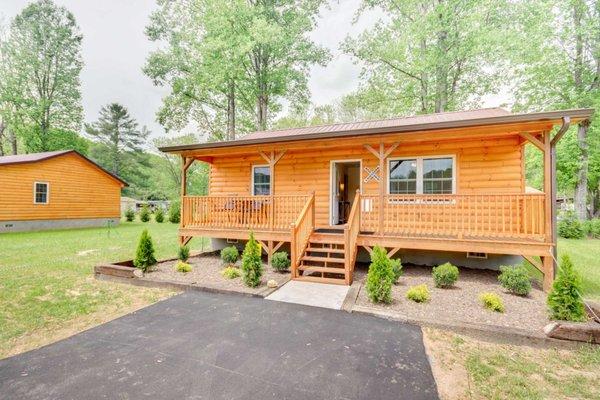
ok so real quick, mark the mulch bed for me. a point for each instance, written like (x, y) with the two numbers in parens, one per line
(207, 273)
(461, 303)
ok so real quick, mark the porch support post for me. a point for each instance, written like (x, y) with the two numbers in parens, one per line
(381, 155)
(272, 159)
(186, 162)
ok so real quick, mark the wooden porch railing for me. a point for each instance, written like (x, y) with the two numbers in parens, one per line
(351, 231)
(302, 228)
(241, 212)
(506, 216)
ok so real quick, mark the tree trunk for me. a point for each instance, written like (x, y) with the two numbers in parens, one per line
(441, 73)
(231, 111)
(261, 111)
(13, 141)
(581, 190)
(2, 129)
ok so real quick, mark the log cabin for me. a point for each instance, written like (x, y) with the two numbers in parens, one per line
(57, 189)
(434, 188)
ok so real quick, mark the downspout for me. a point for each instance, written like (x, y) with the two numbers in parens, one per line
(566, 123)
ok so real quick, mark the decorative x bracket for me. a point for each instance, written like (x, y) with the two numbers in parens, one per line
(372, 174)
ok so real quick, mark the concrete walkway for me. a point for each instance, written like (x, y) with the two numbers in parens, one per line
(311, 294)
(215, 346)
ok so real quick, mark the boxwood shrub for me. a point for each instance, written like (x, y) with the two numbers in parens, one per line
(280, 261)
(515, 279)
(230, 255)
(419, 293)
(491, 301)
(570, 227)
(445, 275)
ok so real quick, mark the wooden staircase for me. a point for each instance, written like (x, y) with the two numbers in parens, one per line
(324, 259)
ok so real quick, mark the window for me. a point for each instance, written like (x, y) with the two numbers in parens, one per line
(40, 193)
(261, 180)
(421, 175)
(403, 176)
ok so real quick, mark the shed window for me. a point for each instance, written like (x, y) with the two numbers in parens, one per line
(421, 175)
(40, 193)
(261, 180)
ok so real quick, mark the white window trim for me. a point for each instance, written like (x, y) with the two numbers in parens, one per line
(252, 179)
(419, 160)
(47, 192)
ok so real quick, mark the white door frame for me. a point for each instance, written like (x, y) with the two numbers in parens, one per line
(332, 164)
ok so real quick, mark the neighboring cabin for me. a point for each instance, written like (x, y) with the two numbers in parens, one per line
(58, 189)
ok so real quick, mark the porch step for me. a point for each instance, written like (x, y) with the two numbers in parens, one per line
(325, 250)
(317, 279)
(326, 238)
(323, 259)
(327, 270)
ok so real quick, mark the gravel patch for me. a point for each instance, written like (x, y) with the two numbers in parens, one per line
(207, 273)
(461, 303)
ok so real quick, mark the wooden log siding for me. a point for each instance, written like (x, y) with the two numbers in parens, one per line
(241, 212)
(483, 165)
(471, 216)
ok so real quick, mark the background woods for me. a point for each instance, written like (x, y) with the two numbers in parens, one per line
(228, 68)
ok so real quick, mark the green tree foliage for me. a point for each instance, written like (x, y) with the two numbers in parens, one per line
(229, 65)
(252, 267)
(40, 63)
(429, 56)
(557, 66)
(397, 268)
(144, 255)
(564, 300)
(119, 133)
(380, 277)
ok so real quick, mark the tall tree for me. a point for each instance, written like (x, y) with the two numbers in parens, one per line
(429, 56)
(41, 64)
(119, 132)
(230, 64)
(558, 66)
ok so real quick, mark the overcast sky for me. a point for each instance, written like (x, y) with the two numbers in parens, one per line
(115, 49)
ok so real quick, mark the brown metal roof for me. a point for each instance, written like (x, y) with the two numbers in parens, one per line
(458, 119)
(35, 157)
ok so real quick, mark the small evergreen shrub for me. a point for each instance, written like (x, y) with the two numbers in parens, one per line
(591, 228)
(280, 261)
(564, 300)
(231, 272)
(252, 268)
(570, 227)
(445, 275)
(144, 255)
(159, 215)
(515, 279)
(492, 301)
(396, 268)
(418, 294)
(183, 253)
(230, 255)
(145, 213)
(129, 215)
(183, 267)
(380, 277)
(174, 212)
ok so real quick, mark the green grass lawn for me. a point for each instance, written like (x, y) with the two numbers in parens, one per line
(585, 254)
(46, 279)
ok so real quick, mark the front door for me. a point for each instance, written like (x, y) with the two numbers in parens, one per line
(345, 180)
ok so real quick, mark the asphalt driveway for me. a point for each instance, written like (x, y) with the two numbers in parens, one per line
(214, 346)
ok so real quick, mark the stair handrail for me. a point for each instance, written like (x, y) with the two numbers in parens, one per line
(301, 230)
(351, 231)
